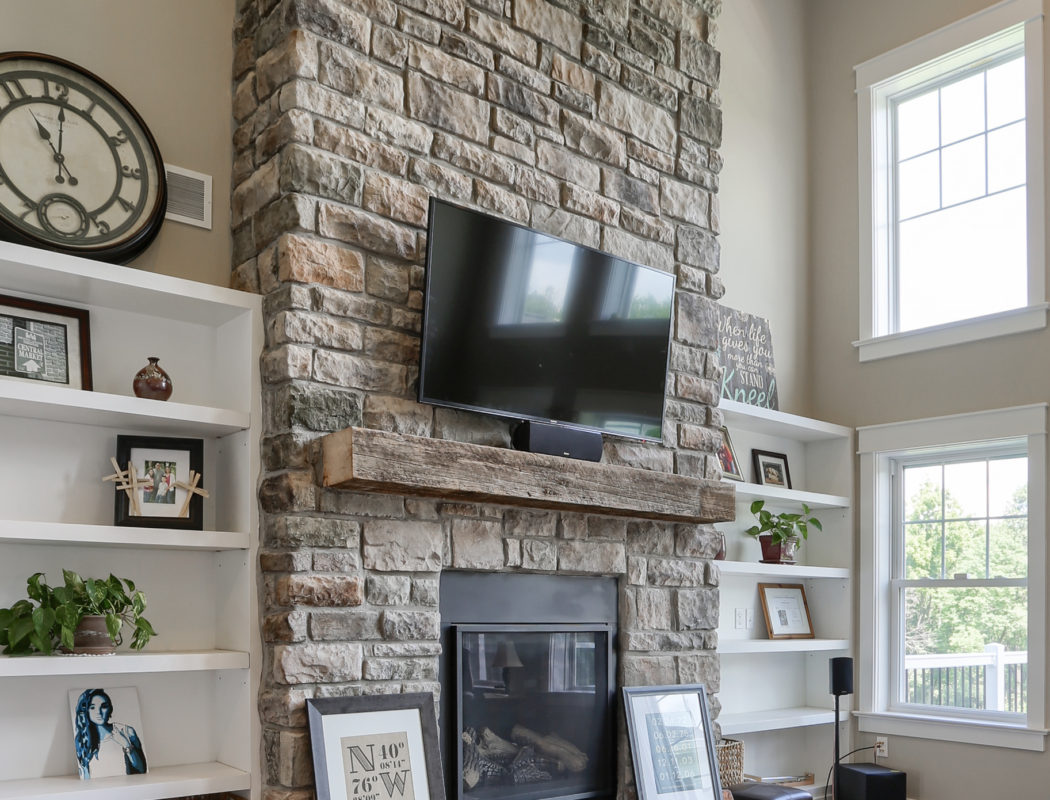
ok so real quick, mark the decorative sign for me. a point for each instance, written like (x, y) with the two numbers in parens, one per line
(377, 767)
(745, 349)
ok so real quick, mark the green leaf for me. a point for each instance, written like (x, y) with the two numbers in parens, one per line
(65, 636)
(113, 627)
(20, 630)
(756, 506)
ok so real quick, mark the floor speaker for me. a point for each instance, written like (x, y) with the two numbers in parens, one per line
(870, 782)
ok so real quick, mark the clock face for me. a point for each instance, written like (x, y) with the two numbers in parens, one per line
(79, 170)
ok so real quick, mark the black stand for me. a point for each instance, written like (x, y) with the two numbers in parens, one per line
(558, 440)
(835, 763)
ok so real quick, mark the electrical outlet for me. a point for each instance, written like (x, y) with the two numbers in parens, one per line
(739, 618)
(750, 618)
(882, 747)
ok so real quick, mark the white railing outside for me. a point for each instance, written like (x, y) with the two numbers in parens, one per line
(994, 659)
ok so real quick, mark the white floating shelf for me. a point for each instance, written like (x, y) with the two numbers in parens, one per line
(63, 533)
(121, 663)
(779, 423)
(775, 719)
(59, 277)
(159, 782)
(726, 646)
(62, 404)
(779, 497)
(796, 571)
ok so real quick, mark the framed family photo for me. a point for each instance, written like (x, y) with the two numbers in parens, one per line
(771, 469)
(383, 747)
(786, 610)
(44, 343)
(727, 458)
(672, 743)
(166, 493)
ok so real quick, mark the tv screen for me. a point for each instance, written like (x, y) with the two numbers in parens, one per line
(524, 325)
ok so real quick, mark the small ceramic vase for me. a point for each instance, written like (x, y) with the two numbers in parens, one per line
(152, 382)
(721, 554)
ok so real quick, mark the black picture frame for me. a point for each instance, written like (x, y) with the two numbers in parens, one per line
(185, 454)
(77, 334)
(771, 469)
(391, 735)
(685, 768)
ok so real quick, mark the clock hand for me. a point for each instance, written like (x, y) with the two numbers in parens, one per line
(46, 136)
(61, 123)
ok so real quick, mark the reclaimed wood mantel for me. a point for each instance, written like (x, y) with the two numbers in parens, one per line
(379, 461)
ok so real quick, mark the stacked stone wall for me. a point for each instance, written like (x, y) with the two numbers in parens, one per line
(594, 120)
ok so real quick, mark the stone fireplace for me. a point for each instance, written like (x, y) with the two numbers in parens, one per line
(594, 120)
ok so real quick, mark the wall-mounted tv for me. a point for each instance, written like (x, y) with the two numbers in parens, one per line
(531, 327)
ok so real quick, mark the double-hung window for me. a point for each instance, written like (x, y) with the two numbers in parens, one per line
(951, 177)
(953, 518)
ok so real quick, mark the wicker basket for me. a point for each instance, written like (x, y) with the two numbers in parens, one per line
(730, 761)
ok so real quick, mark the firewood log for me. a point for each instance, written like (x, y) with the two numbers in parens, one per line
(552, 746)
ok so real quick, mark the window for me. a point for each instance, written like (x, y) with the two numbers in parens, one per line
(952, 524)
(951, 184)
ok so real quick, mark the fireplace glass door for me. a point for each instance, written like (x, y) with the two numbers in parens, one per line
(534, 711)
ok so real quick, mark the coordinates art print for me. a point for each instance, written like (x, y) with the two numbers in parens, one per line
(375, 748)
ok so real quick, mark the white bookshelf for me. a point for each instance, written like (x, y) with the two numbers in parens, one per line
(198, 680)
(774, 693)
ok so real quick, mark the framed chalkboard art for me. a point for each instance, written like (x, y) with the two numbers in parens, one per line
(745, 350)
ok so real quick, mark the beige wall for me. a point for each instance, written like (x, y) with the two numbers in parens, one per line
(173, 62)
(763, 189)
(992, 374)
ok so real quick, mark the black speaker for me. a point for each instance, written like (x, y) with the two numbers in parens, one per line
(558, 440)
(870, 782)
(841, 677)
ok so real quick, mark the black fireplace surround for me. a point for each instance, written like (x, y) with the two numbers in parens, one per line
(527, 672)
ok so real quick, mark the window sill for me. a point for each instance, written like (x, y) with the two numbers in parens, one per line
(1018, 320)
(993, 734)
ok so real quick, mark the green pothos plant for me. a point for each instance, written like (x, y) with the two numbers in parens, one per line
(782, 526)
(48, 617)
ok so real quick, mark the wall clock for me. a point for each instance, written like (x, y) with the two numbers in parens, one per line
(80, 172)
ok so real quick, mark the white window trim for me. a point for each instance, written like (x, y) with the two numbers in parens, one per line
(877, 444)
(891, 73)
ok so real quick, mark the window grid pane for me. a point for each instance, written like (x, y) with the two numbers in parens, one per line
(964, 646)
(958, 143)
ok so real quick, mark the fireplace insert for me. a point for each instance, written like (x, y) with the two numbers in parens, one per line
(528, 707)
(532, 704)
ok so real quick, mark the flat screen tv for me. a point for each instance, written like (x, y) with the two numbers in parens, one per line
(531, 327)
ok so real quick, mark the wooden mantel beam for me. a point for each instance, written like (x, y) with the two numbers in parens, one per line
(379, 461)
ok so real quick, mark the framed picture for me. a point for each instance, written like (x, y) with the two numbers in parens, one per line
(786, 610)
(727, 458)
(771, 469)
(107, 732)
(44, 343)
(672, 743)
(383, 747)
(169, 482)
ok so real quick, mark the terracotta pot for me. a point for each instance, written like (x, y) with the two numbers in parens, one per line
(783, 552)
(92, 638)
(152, 382)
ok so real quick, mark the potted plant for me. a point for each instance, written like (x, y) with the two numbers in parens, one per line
(778, 534)
(81, 616)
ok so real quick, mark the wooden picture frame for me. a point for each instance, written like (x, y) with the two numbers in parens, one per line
(727, 458)
(672, 743)
(381, 747)
(771, 469)
(44, 343)
(786, 610)
(162, 504)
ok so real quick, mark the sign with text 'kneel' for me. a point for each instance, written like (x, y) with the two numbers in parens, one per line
(745, 349)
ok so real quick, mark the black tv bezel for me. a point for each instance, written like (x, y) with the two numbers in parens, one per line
(503, 413)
